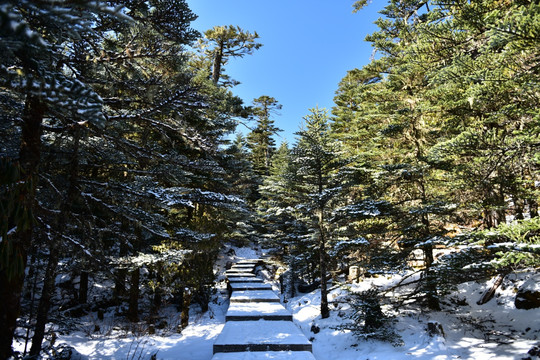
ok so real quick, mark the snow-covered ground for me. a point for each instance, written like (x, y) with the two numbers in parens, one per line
(495, 330)
(118, 342)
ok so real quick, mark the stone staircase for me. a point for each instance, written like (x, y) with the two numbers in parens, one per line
(257, 325)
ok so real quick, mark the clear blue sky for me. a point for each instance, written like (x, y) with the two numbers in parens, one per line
(308, 46)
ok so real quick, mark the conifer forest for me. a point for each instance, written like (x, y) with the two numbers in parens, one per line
(131, 173)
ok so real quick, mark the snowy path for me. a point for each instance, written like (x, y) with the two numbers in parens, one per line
(257, 325)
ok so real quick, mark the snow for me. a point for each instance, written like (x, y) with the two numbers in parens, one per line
(261, 332)
(249, 261)
(244, 279)
(495, 330)
(531, 285)
(254, 308)
(234, 270)
(243, 266)
(245, 253)
(254, 295)
(250, 286)
(113, 342)
(263, 355)
(195, 343)
(9, 233)
(233, 275)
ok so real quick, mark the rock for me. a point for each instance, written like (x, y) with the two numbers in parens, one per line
(77, 311)
(354, 273)
(315, 329)
(435, 329)
(528, 295)
(534, 351)
(66, 352)
(162, 325)
(307, 288)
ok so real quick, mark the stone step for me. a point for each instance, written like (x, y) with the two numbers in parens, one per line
(250, 261)
(249, 286)
(265, 355)
(246, 265)
(238, 270)
(246, 296)
(240, 274)
(257, 311)
(262, 335)
(242, 268)
(245, 279)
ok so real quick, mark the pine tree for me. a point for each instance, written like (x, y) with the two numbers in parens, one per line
(149, 180)
(224, 42)
(394, 127)
(260, 140)
(284, 230)
(318, 168)
(32, 69)
(434, 120)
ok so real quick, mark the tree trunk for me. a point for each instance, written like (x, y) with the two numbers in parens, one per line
(186, 302)
(133, 311)
(216, 68)
(493, 214)
(492, 218)
(10, 293)
(45, 301)
(325, 312)
(518, 208)
(205, 300)
(50, 272)
(32, 274)
(488, 295)
(119, 283)
(120, 276)
(533, 208)
(290, 280)
(83, 288)
(427, 249)
(156, 303)
(11, 280)
(431, 279)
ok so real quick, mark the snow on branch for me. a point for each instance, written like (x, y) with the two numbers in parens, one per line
(145, 220)
(193, 236)
(364, 209)
(179, 196)
(348, 244)
(146, 259)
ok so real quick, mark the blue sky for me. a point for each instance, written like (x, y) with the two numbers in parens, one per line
(308, 46)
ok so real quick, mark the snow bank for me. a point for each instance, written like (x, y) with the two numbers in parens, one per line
(495, 330)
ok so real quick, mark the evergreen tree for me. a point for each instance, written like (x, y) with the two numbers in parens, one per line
(318, 169)
(148, 180)
(223, 42)
(260, 140)
(284, 229)
(434, 120)
(33, 73)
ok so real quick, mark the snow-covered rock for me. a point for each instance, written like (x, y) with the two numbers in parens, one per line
(528, 295)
